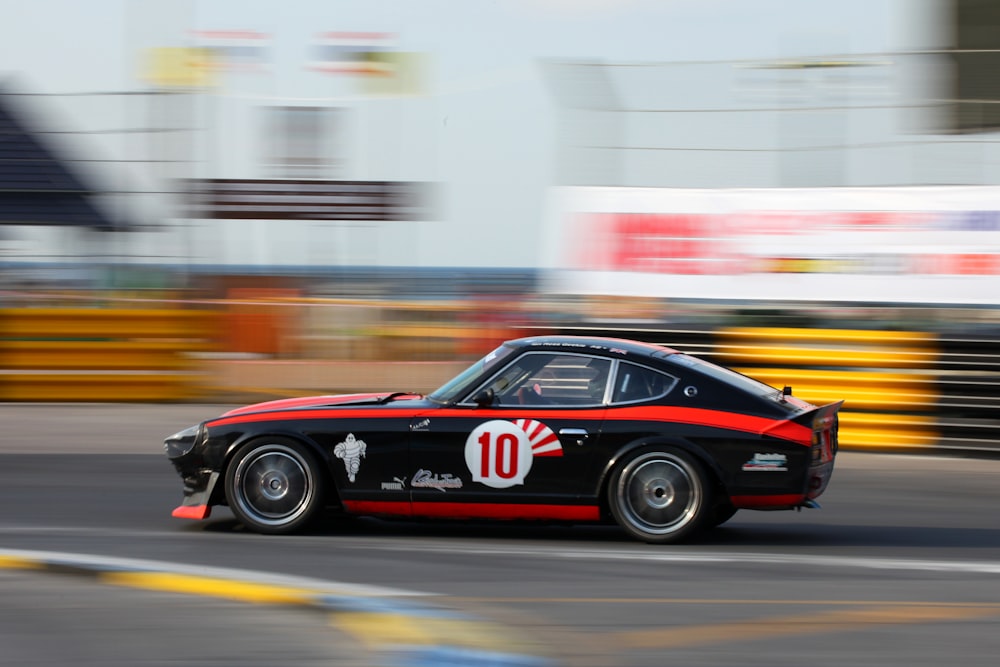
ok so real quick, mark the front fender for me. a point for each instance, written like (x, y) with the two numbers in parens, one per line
(243, 438)
(234, 441)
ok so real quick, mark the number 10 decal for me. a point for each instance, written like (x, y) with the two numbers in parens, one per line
(499, 453)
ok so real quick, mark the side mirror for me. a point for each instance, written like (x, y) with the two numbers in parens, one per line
(485, 398)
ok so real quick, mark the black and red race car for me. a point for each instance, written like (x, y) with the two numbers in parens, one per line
(556, 428)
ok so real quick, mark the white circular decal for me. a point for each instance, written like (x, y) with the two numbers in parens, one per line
(498, 454)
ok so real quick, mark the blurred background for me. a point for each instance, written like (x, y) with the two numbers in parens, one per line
(238, 200)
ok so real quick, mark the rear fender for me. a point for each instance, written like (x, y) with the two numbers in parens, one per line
(820, 426)
(655, 442)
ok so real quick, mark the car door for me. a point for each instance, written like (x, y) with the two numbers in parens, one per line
(526, 454)
(368, 453)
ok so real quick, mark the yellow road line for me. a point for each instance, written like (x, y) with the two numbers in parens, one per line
(374, 629)
(209, 587)
(16, 563)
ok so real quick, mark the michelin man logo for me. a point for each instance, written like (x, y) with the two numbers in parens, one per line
(351, 450)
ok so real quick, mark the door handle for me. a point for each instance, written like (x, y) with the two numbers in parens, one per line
(579, 434)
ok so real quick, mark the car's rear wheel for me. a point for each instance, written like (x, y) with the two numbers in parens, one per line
(274, 485)
(659, 496)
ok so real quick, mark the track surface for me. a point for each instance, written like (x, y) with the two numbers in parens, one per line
(901, 567)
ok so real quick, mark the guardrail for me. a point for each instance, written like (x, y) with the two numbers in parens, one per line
(904, 391)
(101, 354)
(886, 379)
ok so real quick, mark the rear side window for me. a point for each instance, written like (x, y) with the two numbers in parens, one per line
(637, 383)
(726, 375)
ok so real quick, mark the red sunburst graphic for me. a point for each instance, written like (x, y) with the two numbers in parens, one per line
(543, 441)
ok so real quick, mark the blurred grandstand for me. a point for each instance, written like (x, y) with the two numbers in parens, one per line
(813, 203)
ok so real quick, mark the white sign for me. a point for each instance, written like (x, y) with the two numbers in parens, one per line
(892, 245)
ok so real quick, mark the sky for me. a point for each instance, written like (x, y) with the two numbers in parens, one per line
(488, 127)
(72, 46)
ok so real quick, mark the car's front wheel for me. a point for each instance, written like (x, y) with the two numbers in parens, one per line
(659, 496)
(274, 485)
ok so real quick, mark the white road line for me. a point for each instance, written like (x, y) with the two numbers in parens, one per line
(704, 557)
(109, 563)
(661, 554)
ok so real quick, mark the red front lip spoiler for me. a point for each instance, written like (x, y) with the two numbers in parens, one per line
(197, 512)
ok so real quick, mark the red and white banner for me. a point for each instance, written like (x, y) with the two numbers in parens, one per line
(892, 245)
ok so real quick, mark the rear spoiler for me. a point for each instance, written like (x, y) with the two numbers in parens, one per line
(801, 427)
(821, 418)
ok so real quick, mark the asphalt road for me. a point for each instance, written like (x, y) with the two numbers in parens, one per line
(900, 567)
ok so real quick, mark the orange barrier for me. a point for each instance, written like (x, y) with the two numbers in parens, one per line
(103, 324)
(98, 354)
(99, 386)
(261, 321)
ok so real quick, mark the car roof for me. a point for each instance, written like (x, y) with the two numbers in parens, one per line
(620, 347)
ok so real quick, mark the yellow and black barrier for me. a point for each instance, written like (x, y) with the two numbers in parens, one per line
(102, 354)
(903, 390)
(887, 379)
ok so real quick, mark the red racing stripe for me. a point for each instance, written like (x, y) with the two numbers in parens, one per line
(281, 415)
(778, 428)
(303, 402)
(514, 413)
(507, 511)
(393, 507)
(764, 502)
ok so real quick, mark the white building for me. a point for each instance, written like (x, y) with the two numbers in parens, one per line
(453, 125)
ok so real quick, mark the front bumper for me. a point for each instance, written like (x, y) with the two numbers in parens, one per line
(198, 488)
(183, 449)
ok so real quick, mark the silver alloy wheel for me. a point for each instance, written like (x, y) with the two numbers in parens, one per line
(657, 495)
(273, 485)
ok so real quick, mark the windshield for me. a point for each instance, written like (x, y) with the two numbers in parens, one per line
(461, 384)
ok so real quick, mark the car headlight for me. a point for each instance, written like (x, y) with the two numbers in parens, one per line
(182, 442)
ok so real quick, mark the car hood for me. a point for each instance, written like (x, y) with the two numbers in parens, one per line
(314, 402)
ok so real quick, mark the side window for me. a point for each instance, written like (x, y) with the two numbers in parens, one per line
(638, 383)
(553, 379)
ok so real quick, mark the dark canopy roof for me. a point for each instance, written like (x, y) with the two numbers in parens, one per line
(36, 187)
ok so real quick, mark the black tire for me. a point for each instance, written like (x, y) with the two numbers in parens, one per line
(274, 485)
(660, 496)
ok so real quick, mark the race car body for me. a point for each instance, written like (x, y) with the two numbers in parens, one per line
(557, 428)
